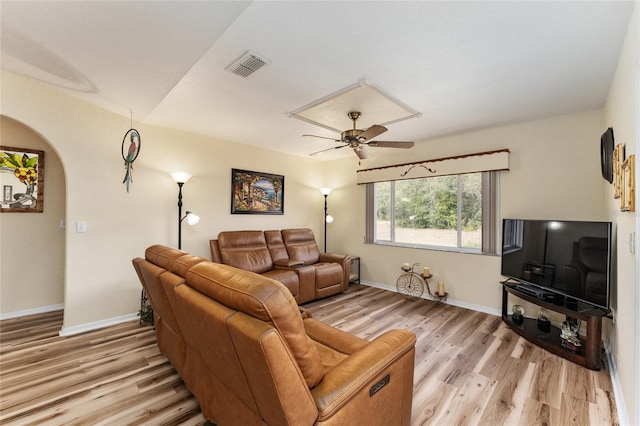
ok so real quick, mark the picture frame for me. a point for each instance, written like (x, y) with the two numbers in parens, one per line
(22, 180)
(256, 192)
(627, 199)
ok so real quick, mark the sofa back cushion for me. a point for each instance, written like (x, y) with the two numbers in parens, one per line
(162, 256)
(276, 246)
(264, 299)
(182, 264)
(245, 250)
(301, 245)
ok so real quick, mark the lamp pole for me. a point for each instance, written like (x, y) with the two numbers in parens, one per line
(325, 222)
(327, 217)
(180, 214)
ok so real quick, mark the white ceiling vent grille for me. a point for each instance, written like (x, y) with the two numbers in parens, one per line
(247, 64)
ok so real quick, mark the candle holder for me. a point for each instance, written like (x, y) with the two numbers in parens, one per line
(438, 298)
(435, 296)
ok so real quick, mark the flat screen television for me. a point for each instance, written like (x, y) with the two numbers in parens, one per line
(565, 261)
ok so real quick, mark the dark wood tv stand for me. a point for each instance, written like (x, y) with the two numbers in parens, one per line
(591, 353)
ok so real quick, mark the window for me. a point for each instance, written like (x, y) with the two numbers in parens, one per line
(512, 235)
(456, 212)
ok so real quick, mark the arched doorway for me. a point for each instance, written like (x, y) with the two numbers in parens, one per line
(32, 245)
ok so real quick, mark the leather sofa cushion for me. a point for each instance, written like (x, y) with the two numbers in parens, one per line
(162, 256)
(287, 277)
(276, 246)
(181, 265)
(301, 245)
(265, 299)
(328, 274)
(245, 250)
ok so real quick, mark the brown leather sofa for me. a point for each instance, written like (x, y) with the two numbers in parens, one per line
(290, 256)
(252, 357)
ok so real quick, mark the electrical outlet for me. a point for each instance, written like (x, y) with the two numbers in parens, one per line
(62, 224)
(81, 226)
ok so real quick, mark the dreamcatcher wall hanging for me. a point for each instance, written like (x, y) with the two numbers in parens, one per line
(129, 156)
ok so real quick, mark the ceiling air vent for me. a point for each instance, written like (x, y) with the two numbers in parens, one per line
(247, 64)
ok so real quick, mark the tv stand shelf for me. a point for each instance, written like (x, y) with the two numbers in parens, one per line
(591, 354)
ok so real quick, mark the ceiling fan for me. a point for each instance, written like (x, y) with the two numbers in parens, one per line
(358, 140)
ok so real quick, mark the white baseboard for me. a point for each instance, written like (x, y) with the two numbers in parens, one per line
(623, 416)
(32, 311)
(450, 301)
(91, 326)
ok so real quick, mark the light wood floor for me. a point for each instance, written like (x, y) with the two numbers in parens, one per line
(470, 370)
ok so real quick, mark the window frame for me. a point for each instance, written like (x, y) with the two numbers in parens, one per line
(489, 206)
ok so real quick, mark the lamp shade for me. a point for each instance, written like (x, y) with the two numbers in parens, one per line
(325, 191)
(192, 218)
(181, 177)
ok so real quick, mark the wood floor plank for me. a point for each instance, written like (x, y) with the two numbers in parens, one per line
(470, 369)
(470, 401)
(506, 402)
(548, 382)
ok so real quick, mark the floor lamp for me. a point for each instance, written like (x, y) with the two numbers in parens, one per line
(181, 178)
(327, 217)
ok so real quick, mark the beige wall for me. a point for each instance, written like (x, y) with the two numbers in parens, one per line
(32, 244)
(622, 114)
(100, 282)
(554, 174)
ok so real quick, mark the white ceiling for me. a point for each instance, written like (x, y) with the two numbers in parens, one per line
(462, 65)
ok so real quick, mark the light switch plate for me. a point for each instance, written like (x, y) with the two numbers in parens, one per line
(81, 226)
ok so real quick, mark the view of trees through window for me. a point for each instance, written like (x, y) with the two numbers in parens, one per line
(441, 211)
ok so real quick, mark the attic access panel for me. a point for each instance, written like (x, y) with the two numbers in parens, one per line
(376, 106)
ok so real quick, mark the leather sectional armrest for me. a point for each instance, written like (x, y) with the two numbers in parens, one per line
(335, 258)
(355, 374)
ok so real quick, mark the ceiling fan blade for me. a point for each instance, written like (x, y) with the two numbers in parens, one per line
(361, 152)
(390, 144)
(329, 149)
(372, 132)
(323, 137)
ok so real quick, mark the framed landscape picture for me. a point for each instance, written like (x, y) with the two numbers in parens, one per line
(256, 192)
(22, 177)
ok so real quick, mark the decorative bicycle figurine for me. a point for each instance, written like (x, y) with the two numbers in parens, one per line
(411, 283)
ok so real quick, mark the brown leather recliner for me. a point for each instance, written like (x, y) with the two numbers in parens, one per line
(331, 270)
(154, 273)
(290, 256)
(251, 358)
